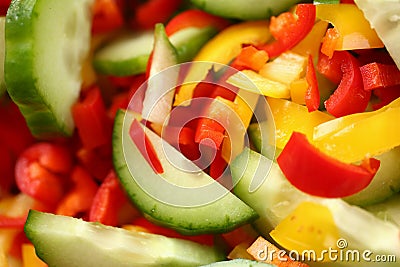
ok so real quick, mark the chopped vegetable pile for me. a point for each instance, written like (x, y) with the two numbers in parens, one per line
(199, 133)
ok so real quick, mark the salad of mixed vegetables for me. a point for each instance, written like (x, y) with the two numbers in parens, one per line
(199, 133)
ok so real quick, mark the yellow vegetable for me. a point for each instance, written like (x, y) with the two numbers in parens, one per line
(353, 30)
(289, 117)
(309, 230)
(29, 257)
(224, 47)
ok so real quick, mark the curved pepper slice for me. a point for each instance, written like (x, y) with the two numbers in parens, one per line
(316, 173)
(289, 29)
(351, 29)
(350, 96)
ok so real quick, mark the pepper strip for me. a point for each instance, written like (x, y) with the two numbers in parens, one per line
(316, 173)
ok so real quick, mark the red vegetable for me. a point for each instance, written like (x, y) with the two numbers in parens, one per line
(145, 147)
(289, 29)
(155, 11)
(350, 96)
(318, 174)
(194, 18)
(40, 171)
(386, 95)
(108, 201)
(107, 16)
(91, 119)
(376, 75)
(312, 94)
(250, 58)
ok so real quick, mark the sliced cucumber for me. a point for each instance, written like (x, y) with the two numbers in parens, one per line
(173, 199)
(386, 181)
(384, 17)
(46, 43)
(260, 142)
(245, 9)
(126, 55)
(239, 263)
(388, 210)
(2, 54)
(66, 241)
(276, 198)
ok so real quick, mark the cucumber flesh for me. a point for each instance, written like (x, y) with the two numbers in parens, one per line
(384, 17)
(126, 55)
(386, 181)
(388, 210)
(65, 241)
(244, 9)
(184, 211)
(238, 263)
(46, 43)
(276, 198)
(2, 54)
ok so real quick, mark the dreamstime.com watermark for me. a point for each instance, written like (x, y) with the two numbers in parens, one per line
(339, 254)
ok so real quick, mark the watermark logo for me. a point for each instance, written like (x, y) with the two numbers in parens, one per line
(341, 253)
(155, 101)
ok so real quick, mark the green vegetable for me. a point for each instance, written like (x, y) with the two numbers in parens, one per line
(65, 241)
(46, 42)
(2, 54)
(388, 210)
(188, 214)
(245, 9)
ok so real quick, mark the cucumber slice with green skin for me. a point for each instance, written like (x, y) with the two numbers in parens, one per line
(260, 142)
(276, 198)
(2, 54)
(245, 9)
(384, 17)
(180, 213)
(46, 43)
(129, 53)
(386, 181)
(239, 263)
(126, 55)
(388, 210)
(65, 241)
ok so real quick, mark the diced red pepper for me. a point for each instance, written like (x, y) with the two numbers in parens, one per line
(145, 147)
(93, 124)
(98, 162)
(209, 129)
(107, 16)
(4, 4)
(195, 18)
(79, 199)
(182, 138)
(108, 201)
(331, 69)
(350, 96)
(7, 162)
(251, 58)
(318, 174)
(218, 166)
(289, 29)
(12, 222)
(150, 227)
(376, 75)
(312, 97)
(40, 171)
(155, 11)
(330, 41)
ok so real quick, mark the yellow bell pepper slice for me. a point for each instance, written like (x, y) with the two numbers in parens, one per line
(253, 82)
(310, 227)
(367, 137)
(289, 116)
(352, 30)
(298, 90)
(224, 47)
(29, 257)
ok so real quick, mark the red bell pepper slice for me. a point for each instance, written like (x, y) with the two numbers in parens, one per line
(250, 58)
(40, 171)
(108, 201)
(386, 95)
(182, 138)
(289, 29)
(376, 75)
(195, 18)
(330, 68)
(79, 199)
(12, 222)
(205, 239)
(318, 174)
(4, 4)
(350, 96)
(7, 162)
(145, 147)
(107, 16)
(91, 119)
(155, 11)
(312, 97)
